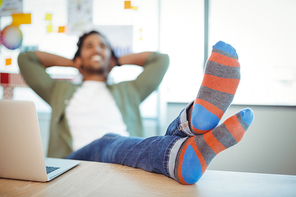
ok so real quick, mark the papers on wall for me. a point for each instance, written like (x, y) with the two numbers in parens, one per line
(79, 16)
(9, 7)
(120, 36)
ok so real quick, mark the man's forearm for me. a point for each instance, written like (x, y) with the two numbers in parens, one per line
(48, 59)
(134, 59)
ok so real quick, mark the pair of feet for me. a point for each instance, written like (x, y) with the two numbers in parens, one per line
(221, 79)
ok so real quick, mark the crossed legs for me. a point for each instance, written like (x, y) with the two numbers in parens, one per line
(193, 139)
(202, 141)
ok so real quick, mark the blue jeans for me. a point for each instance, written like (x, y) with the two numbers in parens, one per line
(151, 154)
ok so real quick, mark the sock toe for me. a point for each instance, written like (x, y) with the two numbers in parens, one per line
(225, 47)
(247, 115)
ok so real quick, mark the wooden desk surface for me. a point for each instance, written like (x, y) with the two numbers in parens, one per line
(101, 179)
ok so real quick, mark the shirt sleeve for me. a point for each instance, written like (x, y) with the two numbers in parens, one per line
(155, 68)
(35, 75)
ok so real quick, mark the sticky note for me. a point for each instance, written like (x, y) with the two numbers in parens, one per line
(48, 17)
(49, 28)
(20, 18)
(61, 29)
(135, 7)
(127, 5)
(8, 61)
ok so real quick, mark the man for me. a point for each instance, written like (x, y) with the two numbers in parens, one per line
(193, 139)
(82, 113)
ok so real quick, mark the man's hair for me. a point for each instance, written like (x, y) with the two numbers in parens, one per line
(82, 38)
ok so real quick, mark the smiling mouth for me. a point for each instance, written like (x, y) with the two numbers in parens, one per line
(96, 58)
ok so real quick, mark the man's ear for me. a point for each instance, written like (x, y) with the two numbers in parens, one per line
(113, 64)
(78, 64)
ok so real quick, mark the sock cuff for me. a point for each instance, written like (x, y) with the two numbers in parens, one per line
(173, 156)
(184, 121)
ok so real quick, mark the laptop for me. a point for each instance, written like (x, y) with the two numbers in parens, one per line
(21, 154)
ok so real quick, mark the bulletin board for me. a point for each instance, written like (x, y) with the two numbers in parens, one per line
(54, 26)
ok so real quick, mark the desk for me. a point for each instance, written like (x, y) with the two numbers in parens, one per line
(101, 179)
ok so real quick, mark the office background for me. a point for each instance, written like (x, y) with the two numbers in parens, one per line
(263, 32)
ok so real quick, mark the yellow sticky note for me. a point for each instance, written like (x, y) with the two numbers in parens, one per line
(135, 7)
(48, 17)
(20, 18)
(127, 5)
(49, 28)
(8, 61)
(61, 29)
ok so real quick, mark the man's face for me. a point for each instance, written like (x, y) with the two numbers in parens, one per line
(95, 55)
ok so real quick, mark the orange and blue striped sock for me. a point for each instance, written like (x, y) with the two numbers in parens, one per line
(221, 79)
(194, 154)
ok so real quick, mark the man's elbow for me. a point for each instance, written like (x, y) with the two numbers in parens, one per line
(165, 59)
(21, 59)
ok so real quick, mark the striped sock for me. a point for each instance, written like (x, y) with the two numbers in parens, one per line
(196, 153)
(221, 79)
